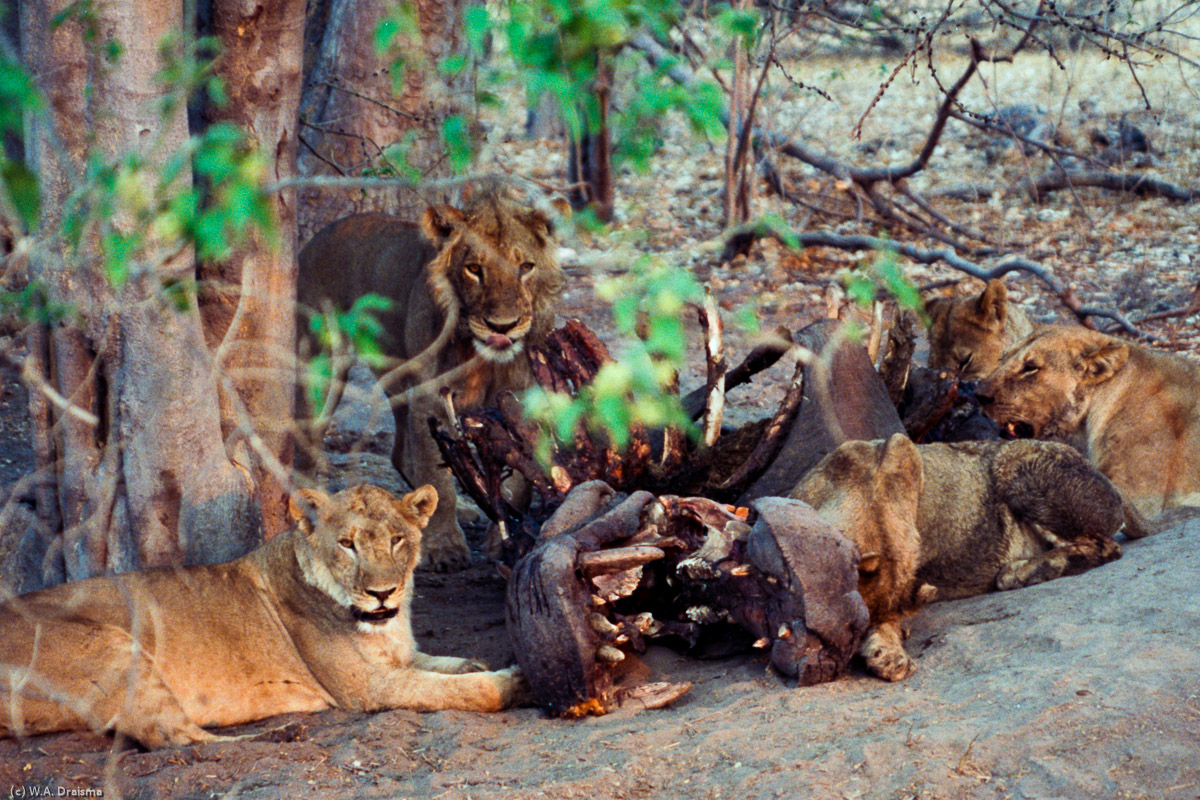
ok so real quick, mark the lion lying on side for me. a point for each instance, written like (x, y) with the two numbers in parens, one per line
(1135, 410)
(317, 618)
(470, 289)
(953, 520)
(970, 334)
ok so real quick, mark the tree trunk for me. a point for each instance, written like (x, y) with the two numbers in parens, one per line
(737, 173)
(589, 164)
(351, 114)
(147, 482)
(250, 316)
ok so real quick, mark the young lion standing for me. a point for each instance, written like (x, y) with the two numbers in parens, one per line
(470, 289)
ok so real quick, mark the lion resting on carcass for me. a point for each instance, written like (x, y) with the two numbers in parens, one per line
(947, 521)
(317, 618)
(1135, 410)
(470, 289)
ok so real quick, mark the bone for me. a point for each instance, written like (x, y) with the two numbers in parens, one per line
(617, 559)
(654, 695)
(601, 625)
(613, 586)
(610, 654)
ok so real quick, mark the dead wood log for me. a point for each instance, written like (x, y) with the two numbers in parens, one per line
(590, 596)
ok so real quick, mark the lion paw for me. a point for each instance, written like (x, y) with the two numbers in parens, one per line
(890, 665)
(517, 691)
(883, 650)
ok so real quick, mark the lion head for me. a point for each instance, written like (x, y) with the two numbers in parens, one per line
(969, 334)
(1044, 387)
(496, 267)
(361, 545)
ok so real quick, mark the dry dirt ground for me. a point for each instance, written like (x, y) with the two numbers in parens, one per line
(1086, 687)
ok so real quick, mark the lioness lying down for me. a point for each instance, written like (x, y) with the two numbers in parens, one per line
(947, 521)
(317, 618)
(1136, 411)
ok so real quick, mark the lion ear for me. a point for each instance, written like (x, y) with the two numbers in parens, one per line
(304, 508)
(419, 505)
(900, 474)
(438, 222)
(541, 225)
(992, 305)
(936, 307)
(1102, 362)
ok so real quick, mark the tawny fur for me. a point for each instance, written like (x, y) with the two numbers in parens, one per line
(970, 334)
(493, 266)
(317, 618)
(955, 520)
(1134, 411)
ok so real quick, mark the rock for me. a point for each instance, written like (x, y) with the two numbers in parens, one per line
(358, 442)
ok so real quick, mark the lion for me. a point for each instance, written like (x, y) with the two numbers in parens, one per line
(1135, 410)
(946, 521)
(471, 289)
(970, 334)
(316, 618)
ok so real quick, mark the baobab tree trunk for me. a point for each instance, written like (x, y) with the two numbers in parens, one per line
(352, 114)
(249, 314)
(137, 461)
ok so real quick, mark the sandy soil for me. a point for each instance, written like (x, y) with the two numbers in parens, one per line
(1085, 687)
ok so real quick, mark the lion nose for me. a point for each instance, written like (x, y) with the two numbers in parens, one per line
(381, 594)
(503, 325)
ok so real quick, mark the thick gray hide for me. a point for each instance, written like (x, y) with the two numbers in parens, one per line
(844, 399)
(547, 600)
(819, 569)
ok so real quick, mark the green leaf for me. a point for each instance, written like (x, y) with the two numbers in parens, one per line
(457, 141)
(477, 24)
(372, 303)
(859, 288)
(23, 190)
(453, 64)
(118, 250)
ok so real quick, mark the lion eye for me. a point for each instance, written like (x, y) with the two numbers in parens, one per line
(397, 540)
(1029, 368)
(475, 270)
(964, 360)
(527, 266)
(347, 543)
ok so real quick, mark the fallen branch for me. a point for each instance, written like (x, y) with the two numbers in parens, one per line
(1065, 294)
(1132, 182)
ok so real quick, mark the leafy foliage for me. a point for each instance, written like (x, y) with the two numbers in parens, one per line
(356, 330)
(143, 207)
(637, 389)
